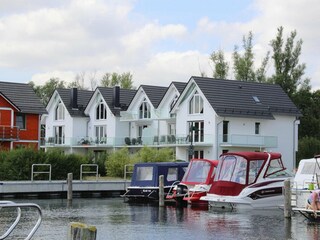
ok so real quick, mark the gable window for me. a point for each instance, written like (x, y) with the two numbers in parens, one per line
(101, 111)
(257, 128)
(21, 120)
(59, 114)
(59, 134)
(144, 110)
(196, 104)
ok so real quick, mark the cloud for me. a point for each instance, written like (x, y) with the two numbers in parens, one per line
(65, 37)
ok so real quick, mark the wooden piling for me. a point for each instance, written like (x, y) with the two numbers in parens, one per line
(161, 191)
(69, 182)
(81, 231)
(287, 199)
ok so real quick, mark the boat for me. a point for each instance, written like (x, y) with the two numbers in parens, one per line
(195, 183)
(144, 185)
(248, 180)
(307, 178)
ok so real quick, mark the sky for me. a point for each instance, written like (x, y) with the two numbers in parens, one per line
(157, 41)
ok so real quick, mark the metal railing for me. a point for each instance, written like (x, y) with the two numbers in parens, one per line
(18, 206)
(89, 172)
(40, 172)
(9, 133)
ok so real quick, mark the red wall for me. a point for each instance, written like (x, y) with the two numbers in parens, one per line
(31, 133)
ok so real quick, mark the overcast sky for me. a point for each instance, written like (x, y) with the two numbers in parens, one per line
(158, 41)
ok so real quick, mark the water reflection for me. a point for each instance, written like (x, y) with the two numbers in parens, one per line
(115, 219)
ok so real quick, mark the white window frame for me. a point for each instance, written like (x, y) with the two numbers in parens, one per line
(196, 104)
(59, 111)
(101, 111)
(144, 110)
(59, 134)
(100, 132)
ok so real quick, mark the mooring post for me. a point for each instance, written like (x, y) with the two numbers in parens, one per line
(287, 199)
(161, 191)
(81, 231)
(69, 182)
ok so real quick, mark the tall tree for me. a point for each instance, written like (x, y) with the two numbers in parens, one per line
(221, 66)
(44, 92)
(288, 71)
(124, 80)
(243, 64)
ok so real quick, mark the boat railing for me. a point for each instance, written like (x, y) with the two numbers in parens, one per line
(18, 206)
(170, 192)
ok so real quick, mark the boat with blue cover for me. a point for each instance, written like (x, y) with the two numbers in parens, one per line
(145, 179)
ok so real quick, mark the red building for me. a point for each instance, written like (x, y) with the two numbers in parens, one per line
(20, 112)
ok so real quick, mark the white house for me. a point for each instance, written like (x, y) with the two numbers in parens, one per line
(228, 115)
(201, 118)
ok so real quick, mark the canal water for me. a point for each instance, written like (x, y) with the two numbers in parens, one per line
(116, 219)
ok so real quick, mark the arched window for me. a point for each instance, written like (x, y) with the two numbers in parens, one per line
(101, 111)
(144, 110)
(59, 113)
(196, 104)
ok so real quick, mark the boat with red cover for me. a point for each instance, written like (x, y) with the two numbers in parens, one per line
(195, 183)
(246, 180)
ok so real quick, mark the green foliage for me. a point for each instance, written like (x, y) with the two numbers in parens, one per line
(124, 80)
(308, 148)
(116, 161)
(288, 71)
(148, 154)
(45, 92)
(221, 66)
(63, 164)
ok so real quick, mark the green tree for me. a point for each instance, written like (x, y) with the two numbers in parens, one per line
(288, 71)
(221, 66)
(308, 147)
(45, 92)
(243, 64)
(124, 80)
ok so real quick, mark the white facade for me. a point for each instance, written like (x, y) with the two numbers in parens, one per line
(187, 123)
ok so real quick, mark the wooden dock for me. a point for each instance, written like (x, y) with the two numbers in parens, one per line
(58, 189)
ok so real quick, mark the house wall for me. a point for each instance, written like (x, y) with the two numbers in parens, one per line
(209, 118)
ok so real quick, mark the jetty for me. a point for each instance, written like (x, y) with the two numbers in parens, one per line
(59, 189)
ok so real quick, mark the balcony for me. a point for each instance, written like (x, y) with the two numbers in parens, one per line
(153, 141)
(8, 133)
(238, 140)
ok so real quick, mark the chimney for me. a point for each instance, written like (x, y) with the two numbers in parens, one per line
(74, 98)
(116, 96)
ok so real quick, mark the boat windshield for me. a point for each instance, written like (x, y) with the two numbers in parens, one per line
(238, 169)
(276, 169)
(198, 172)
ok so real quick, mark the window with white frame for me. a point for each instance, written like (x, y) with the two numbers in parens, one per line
(172, 129)
(198, 154)
(196, 130)
(59, 134)
(59, 113)
(144, 110)
(21, 120)
(101, 111)
(101, 133)
(196, 104)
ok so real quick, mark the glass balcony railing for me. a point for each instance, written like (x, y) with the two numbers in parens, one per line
(238, 140)
(170, 140)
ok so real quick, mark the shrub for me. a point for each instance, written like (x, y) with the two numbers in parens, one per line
(116, 161)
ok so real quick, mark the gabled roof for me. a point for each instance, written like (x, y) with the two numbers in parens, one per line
(179, 86)
(126, 96)
(23, 97)
(154, 93)
(246, 99)
(82, 101)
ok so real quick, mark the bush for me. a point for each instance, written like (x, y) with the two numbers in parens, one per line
(116, 161)
(147, 154)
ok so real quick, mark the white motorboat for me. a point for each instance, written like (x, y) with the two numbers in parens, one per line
(248, 180)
